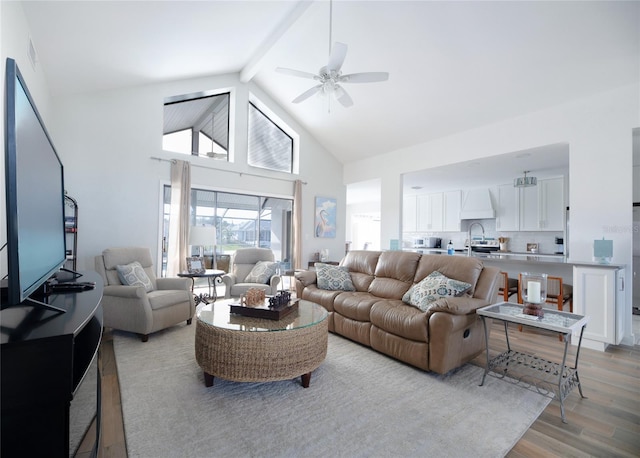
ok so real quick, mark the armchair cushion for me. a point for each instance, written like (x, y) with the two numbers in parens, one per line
(124, 291)
(174, 283)
(261, 272)
(134, 275)
(166, 298)
(433, 287)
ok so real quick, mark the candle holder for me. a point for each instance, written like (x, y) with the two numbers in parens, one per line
(533, 290)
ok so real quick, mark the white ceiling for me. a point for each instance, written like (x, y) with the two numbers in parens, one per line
(453, 65)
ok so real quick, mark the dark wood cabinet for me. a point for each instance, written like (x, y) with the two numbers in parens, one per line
(50, 386)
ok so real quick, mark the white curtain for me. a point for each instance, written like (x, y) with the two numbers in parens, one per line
(179, 217)
(297, 225)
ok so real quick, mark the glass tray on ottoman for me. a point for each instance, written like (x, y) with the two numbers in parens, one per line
(276, 312)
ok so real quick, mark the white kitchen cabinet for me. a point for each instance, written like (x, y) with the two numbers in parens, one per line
(436, 211)
(599, 293)
(529, 209)
(430, 212)
(422, 206)
(409, 213)
(452, 206)
(551, 204)
(508, 211)
(536, 208)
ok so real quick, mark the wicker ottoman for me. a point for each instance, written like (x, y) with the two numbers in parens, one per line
(245, 349)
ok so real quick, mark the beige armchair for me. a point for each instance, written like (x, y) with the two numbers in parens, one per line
(154, 304)
(242, 263)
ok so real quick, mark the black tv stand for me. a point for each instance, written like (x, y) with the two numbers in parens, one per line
(39, 304)
(73, 273)
(50, 384)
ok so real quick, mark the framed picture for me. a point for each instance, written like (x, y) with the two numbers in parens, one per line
(195, 265)
(532, 247)
(325, 224)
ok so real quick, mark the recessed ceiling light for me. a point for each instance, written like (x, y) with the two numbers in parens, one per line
(416, 187)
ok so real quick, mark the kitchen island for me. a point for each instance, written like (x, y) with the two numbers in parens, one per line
(598, 289)
(520, 257)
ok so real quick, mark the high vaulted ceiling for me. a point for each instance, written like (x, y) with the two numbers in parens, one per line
(453, 65)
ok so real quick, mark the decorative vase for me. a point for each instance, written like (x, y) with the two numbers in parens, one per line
(533, 290)
(252, 297)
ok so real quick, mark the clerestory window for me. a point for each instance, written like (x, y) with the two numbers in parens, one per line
(270, 146)
(197, 124)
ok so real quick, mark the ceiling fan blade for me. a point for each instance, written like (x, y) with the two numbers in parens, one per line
(343, 97)
(306, 94)
(292, 72)
(336, 59)
(367, 77)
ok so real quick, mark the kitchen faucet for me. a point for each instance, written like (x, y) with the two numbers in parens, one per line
(469, 235)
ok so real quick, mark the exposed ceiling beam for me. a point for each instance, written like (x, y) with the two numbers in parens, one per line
(251, 68)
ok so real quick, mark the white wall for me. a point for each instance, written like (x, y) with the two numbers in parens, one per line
(598, 130)
(14, 42)
(107, 140)
(363, 225)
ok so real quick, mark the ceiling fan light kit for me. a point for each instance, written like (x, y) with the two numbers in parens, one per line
(330, 76)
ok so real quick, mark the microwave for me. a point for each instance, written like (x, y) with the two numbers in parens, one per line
(427, 242)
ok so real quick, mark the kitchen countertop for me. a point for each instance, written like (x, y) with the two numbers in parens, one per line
(520, 257)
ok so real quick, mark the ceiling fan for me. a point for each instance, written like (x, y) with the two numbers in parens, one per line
(330, 76)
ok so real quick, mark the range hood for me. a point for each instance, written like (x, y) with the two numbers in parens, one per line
(477, 204)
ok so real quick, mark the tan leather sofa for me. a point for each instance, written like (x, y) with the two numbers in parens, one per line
(443, 338)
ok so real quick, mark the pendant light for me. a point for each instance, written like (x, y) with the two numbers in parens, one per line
(525, 181)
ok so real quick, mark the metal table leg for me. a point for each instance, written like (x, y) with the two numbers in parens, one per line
(560, 373)
(486, 342)
(213, 294)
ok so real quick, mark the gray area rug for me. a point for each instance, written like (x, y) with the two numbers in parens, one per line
(360, 404)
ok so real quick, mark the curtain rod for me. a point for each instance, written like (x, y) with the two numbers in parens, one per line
(173, 161)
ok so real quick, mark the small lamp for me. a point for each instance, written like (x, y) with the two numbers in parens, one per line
(202, 236)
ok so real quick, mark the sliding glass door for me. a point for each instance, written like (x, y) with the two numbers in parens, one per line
(241, 220)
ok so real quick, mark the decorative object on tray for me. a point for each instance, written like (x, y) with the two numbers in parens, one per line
(275, 308)
(533, 289)
(282, 298)
(532, 247)
(252, 297)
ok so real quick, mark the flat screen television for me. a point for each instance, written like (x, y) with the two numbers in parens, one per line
(36, 242)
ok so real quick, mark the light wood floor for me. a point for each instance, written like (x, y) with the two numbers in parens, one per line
(607, 423)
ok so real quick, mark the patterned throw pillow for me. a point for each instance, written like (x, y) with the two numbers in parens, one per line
(134, 275)
(261, 272)
(334, 278)
(433, 287)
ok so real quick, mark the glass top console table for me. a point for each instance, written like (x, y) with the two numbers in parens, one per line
(546, 376)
